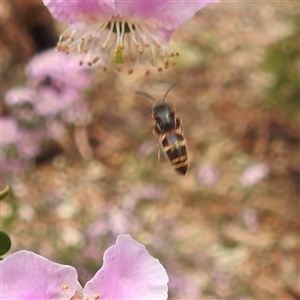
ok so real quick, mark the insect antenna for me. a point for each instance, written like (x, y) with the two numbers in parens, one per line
(167, 92)
(145, 95)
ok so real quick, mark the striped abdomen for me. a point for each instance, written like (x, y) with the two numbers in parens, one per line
(174, 146)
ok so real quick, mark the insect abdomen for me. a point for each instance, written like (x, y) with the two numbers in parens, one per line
(174, 146)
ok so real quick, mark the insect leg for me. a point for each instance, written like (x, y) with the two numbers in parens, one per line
(178, 123)
(156, 134)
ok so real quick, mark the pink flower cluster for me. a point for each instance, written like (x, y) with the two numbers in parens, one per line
(52, 97)
(54, 87)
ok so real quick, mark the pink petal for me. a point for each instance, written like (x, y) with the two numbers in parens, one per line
(167, 14)
(79, 10)
(26, 275)
(19, 96)
(128, 272)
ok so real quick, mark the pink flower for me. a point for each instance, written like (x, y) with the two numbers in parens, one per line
(122, 31)
(128, 272)
(30, 143)
(20, 96)
(54, 88)
(208, 175)
(9, 132)
(53, 69)
(254, 174)
(58, 81)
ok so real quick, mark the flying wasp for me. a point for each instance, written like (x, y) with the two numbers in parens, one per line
(168, 132)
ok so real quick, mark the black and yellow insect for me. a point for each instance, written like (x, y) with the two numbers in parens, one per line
(168, 132)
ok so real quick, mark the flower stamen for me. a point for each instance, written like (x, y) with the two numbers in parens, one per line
(130, 41)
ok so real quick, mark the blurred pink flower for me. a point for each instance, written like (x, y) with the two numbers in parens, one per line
(208, 175)
(119, 220)
(54, 69)
(128, 272)
(142, 192)
(121, 31)
(51, 102)
(58, 81)
(30, 142)
(254, 174)
(9, 133)
(184, 287)
(19, 96)
(22, 101)
(55, 129)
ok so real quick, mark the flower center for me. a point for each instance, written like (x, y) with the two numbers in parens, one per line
(121, 42)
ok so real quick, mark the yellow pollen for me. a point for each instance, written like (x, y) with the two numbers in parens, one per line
(65, 286)
(97, 296)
